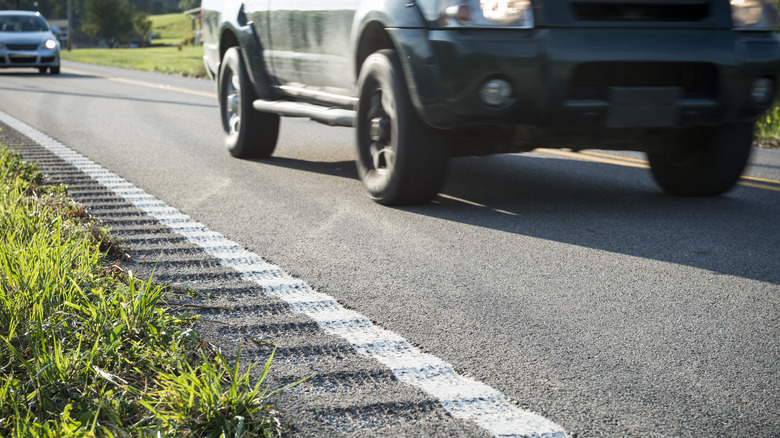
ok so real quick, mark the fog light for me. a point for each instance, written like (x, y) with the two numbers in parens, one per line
(763, 90)
(495, 92)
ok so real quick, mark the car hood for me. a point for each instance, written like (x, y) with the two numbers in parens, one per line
(25, 37)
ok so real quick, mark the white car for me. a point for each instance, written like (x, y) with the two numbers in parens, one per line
(26, 40)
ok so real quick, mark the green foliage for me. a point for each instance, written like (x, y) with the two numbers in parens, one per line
(171, 28)
(58, 8)
(142, 25)
(85, 348)
(186, 61)
(185, 5)
(210, 397)
(768, 127)
(49, 8)
(109, 20)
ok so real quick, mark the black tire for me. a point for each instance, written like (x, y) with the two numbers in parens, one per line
(54, 70)
(248, 133)
(711, 162)
(42, 70)
(401, 160)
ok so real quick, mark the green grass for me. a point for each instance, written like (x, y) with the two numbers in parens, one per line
(87, 349)
(182, 61)
(176, 59)
(768, 128)
(175, 29)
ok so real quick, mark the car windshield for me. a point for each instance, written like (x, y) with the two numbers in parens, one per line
(22, 23)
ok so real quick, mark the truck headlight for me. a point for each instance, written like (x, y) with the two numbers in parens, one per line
(753, 14)
(488, 13)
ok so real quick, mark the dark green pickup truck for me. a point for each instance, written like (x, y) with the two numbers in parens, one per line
(424, 80)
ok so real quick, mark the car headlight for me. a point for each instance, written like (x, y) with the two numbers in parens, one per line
(488, 13)
(49, 44)
(753, 14)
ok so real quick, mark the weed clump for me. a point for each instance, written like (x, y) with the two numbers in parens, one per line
(87, 349)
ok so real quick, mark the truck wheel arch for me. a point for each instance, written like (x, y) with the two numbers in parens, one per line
(420, 68)
(373, 38)
(248, 44)
(227, 40)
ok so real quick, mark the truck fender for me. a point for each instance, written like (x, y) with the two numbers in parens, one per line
(403, 27)
(235, 30)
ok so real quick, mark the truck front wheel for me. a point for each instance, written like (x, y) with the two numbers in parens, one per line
(248, 133)
(401, 160)
(710, 162)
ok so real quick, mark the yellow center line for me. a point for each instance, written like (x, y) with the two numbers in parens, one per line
(166, 87)
(753, 178)
(758, 186)
(143, 83)
(599, 159)
(597, 154)
(635, 162)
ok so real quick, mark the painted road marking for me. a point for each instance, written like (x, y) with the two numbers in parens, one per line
(463, 397)
(601, 158)
(760, 186)
(475, 204)
(158, 86)
(747, 181)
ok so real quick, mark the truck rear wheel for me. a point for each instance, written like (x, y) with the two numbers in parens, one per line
(711, 162)
(401, 160)
(248, 133)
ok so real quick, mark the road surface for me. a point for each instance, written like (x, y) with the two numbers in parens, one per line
(566, 281)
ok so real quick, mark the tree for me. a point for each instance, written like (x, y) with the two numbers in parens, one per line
(142, 25)
(109, 20)
(185, 5)
(141, 5)
(49, 8)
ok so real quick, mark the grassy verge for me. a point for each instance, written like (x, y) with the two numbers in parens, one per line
(175, 29)
(87, 350)
(768, 129)
(177, 58)
(182, 61)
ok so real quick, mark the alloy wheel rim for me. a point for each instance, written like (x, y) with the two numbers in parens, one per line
(233, 103)
(381, 142)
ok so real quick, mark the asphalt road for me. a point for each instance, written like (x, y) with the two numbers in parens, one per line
(567, 281)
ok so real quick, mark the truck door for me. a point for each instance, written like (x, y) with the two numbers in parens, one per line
(311, 49)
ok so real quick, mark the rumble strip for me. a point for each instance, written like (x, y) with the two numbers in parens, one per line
(462, 397)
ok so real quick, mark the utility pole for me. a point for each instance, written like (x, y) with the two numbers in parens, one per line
(18, 5)
(70, 23)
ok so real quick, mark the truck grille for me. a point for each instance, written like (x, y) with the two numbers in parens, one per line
(698, 80)
(627, 11)
(23, 47)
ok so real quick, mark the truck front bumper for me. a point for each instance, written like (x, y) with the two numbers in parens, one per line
(587, 78)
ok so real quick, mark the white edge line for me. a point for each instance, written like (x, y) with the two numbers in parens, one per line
(462, 397)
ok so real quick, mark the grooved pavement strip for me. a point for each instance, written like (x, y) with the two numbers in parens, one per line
(365, 380)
